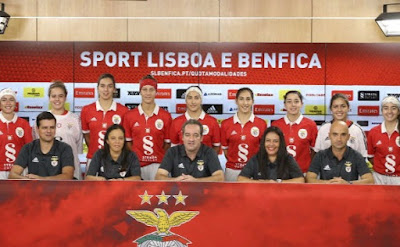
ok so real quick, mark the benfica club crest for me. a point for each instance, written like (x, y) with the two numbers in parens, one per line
(163, 222)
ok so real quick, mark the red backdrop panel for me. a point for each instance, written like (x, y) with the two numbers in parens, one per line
(81, 213)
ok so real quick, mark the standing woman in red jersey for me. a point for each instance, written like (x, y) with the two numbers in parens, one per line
(15, 132)
(147, 129)
(300, 132)
(241, 134)
(100, 115)
(384, 144)
(194, 110)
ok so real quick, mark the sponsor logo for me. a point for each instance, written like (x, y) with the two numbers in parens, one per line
(348, 93)
(397, 95)
(363, 123)
(131, 105)
(84, 92)
(212, 94)
(233, 109)
(180, 93)
(180, 108)
(133, 93)
(33, 92)
(315, 109)
(315, 94)
(368, 110)
(264, 109)
(368, 95)
(264, 94)
(117, 93)
(33, 107)
(163, 93)
(284, 91)
(212, 109)
(232, 93)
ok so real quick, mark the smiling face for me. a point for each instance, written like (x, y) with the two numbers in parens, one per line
(193, 101)
(47, 130)
(7, 104)
(390, 112)
(339, 109)
(244, 102)
(272, 144)
(293, 104)
(148, 94)
(106, 89)
(116, 140)
(57, 99)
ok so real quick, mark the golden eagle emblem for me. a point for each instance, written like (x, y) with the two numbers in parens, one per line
(160, 218)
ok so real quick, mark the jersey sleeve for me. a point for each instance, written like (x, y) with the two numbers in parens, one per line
(316, 164)
(167, 128)
(28, 133)
(127, 127)
(319, 141)
(67, 156)
(213, 161)
(94, 167)
(174, 132)
(249, 169)
(84, 122)
(361, 142)
(371, 149)
(216, 138)
(224, 137)
(134, 165)
(294, 169)
(168, 160)
(23, 157)
(314, 134)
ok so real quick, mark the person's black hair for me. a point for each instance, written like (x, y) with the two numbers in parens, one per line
(106, 75)
(281, 159)
(106, 149)
(293, 92)
(46, 115)
(192, 122)
(243, 89)
(339, 96)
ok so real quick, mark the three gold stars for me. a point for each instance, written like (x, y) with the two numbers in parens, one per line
(163, 198)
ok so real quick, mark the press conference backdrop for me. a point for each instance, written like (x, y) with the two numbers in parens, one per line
(365, 72)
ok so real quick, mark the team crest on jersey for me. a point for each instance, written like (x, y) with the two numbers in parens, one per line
(291, 140)
(255, 131)
(19, 132)
(54, 161)
(348, 166)
(302, 133)
(398, 141)
(116, 119)
(159, 124)
(200, 165)
(206, 130)
(352, 140)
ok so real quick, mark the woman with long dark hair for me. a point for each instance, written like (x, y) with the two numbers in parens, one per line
(272, 163)
(300, 132)
(114, 161)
